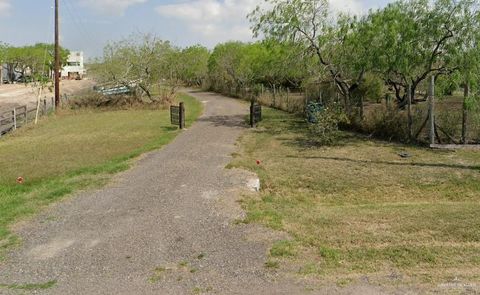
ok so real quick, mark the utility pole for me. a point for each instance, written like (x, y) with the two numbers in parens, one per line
(57, 58)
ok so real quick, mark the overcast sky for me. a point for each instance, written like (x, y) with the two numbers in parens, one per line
(89, 24)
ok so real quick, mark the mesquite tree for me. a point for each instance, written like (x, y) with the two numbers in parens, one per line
(310, 23)
(415, 39)
(468, 62)
(140, 61)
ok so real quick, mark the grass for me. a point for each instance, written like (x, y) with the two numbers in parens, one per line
(29, 287)
(72, 151)
(359, 208)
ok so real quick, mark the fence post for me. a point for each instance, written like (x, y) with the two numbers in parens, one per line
(181, 115)
(26, 114)
(466, 95)
(14, 113)
(252, 122)
(432, 110)
(274, 96)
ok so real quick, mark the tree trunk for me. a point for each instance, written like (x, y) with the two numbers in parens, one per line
(1, 73)
(409, 109)
(465, 112)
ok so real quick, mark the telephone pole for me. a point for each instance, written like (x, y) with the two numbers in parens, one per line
(57, 59)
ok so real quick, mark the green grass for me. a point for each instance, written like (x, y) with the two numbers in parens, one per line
(29, 287)
(358, 207)
(73, 151)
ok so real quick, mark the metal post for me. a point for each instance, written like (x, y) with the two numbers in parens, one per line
(432, 110)
(14, 113)
(181, 116)
(409, 109)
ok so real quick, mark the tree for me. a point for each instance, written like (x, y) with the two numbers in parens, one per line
(31, 62)
(310, 24)
(230, 66)
(195, 65)
(468, 61)
(3, 49)
(413, 40)
(140, 62)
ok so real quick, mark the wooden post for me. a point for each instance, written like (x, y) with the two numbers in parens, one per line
(466, 94)
(14, 114)
(274, 95)
(288, 99)
(432, 110)
(409, 109)
(57, 55)
(252, 119)
(26, 115)
(181, 116)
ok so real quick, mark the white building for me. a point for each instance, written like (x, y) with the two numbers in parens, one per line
(74, 69)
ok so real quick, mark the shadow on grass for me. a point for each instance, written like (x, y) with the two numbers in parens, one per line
(413, 164)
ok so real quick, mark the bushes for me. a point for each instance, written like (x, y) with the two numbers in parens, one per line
(390, 123)
(326, 127)
(161, 98)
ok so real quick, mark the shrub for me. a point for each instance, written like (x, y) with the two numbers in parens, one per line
(326, 127)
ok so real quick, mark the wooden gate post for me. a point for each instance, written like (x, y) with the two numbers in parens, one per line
(252, 119)
(181, 116)
(432, 110)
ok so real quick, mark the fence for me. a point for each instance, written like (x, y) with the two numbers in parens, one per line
(21, 116)
(292, 100)
(379, 116)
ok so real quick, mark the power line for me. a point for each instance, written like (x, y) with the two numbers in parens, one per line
(79, 24)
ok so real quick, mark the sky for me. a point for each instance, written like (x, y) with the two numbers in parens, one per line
(88, 25)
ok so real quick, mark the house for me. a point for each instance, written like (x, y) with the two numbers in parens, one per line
(74, 69)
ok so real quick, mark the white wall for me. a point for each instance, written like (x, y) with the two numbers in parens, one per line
(74, 57)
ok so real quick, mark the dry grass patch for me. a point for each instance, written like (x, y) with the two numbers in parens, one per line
(359, 207)
(72, 151)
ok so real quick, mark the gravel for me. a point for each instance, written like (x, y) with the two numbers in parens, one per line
(166, 226)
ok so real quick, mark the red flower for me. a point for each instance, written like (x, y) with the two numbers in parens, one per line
(20, 180)
(258, 162)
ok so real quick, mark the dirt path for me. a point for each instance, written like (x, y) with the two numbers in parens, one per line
(164, 227)
(13, 95)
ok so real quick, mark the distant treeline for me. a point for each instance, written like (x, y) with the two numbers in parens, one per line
(389, 52)
(28, 63)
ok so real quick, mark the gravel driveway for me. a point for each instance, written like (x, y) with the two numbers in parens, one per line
(166, 226)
